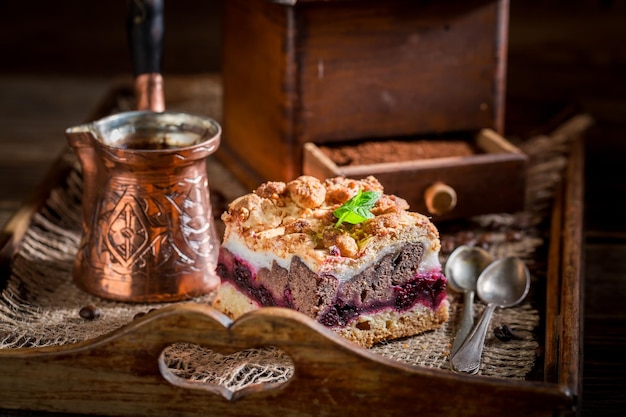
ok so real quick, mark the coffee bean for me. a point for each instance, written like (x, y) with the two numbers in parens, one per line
(447, 245)
(89, 312)
(504, 333)
(139, 315)
(484, 245)
(464, 237)
(539, 351)
(522, 222)
(514, 236)
(488, 237)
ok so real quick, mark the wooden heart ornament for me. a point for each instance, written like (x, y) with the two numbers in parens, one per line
(196, 367)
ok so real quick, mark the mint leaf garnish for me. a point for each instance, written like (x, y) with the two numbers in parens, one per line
(357, 209)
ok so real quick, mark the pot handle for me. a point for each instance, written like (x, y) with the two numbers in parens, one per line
(145, 37)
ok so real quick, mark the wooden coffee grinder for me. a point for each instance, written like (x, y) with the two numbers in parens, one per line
(304, 73)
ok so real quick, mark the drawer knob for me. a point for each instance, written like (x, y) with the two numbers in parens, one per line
(440, 198)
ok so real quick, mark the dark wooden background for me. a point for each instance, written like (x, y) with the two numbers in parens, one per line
(59, 58)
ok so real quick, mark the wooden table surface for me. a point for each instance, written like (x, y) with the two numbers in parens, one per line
(548, 62)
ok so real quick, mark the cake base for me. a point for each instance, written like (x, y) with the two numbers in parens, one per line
(366, 330)
(232, 302)
(386, 325)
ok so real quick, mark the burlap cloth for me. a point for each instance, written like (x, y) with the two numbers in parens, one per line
(39, 304)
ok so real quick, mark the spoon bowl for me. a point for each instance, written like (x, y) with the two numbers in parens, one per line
(462, 270)
(465, 265)
(504, 283)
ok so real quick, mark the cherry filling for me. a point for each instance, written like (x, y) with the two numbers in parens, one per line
(239, 273)
(428, 289)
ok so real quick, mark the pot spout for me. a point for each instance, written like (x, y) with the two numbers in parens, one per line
(82, 139)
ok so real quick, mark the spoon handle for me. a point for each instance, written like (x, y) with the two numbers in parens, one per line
(467, 321)
(467, 358)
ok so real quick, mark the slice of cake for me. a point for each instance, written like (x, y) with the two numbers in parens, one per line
(378, 279)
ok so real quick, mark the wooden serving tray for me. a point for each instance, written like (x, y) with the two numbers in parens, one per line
(122, 373)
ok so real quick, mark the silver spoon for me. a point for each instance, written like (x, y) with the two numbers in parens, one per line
(504, 283)
(462, 270)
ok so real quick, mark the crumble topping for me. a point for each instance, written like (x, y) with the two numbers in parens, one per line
(283, 219)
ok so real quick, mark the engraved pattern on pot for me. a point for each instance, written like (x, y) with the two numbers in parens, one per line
(146, 227)
(193, 217)
(126, 235)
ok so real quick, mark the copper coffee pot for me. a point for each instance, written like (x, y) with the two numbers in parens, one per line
(148, 233)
